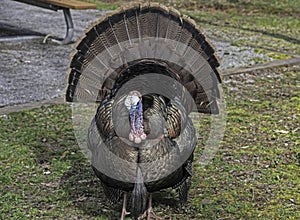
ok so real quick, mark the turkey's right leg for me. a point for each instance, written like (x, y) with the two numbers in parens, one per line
(124, 212)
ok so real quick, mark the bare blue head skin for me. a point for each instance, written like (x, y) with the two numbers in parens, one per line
(133, 103)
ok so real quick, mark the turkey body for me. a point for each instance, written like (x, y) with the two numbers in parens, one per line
(164, 56)
(157, 163)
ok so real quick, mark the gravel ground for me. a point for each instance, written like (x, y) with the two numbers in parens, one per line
(32, 71)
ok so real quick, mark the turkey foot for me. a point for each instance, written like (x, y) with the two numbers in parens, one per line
(124, 212)
(149, 213)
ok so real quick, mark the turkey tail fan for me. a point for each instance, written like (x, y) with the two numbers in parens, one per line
(144, 39)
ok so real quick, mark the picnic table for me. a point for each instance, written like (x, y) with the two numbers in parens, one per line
(65, 6)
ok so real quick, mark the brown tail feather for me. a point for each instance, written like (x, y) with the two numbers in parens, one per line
(148, 32)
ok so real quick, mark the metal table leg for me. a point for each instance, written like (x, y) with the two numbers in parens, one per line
(70, 28)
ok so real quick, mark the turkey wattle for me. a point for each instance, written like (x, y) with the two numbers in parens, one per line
(134, 105)
(147, 67)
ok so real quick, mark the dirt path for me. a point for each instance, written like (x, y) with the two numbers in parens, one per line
(60, 100)
(30, 70)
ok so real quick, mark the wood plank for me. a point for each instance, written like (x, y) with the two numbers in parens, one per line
(72, 4)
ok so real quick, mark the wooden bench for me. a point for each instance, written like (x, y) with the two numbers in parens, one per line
(65, 6)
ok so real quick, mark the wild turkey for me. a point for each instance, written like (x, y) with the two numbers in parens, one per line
(147, 68)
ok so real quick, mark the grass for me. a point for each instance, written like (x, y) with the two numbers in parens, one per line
(255, 173)
(105, 5)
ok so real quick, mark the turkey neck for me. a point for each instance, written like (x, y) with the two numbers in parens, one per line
(136, 118)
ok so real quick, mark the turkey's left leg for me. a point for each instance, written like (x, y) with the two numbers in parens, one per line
(149, 213)
(124, 212)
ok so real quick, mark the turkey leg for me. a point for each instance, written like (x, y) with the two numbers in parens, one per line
(124, 212)
(149, 213)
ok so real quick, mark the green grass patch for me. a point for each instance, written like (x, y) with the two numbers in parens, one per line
(105, 5)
